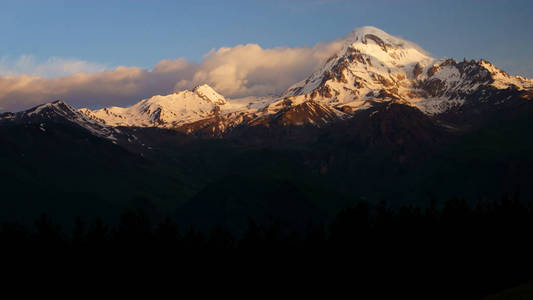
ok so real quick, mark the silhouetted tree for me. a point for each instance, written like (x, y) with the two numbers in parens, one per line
(220, 240)
(79, 234)
(48, 234)
(98, 235)
(461, 250)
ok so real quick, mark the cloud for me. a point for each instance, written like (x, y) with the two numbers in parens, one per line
(119, 86)
(247, 70)
(238, 71)
(53, 67)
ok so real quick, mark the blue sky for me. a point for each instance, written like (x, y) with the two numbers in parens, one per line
(141, 33)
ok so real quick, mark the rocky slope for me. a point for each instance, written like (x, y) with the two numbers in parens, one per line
(59, 112)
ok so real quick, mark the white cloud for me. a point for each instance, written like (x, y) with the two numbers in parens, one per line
(52, 67)
(246, 70)
(119, 86)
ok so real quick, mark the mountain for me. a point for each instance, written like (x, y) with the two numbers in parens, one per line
(164, 111)
(59, 112)
(379, 120)
(372, 67)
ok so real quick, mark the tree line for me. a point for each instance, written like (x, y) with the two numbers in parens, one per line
(458, 250)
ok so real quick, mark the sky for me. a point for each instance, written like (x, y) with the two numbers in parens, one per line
(98, 53)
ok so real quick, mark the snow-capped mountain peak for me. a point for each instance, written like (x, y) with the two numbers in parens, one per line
(502, 80)
(370, 57)
(164, 111)
(374, 66)
(59, 112)
(208, 93)
(47, 109)
(370, 39)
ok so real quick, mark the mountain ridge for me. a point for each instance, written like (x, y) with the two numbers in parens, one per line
(372, 67)
(60, 112)
(377, 141)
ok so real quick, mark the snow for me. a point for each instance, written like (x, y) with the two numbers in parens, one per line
(180, 108)
(58, 106)
(63, 110)
(208, 93)
(164, 111)
(373, 61)
(437, 105)
(250, 103)
(38, 109)
(503, 80)
(399, 58)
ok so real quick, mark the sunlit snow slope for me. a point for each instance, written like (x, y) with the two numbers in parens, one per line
(375, 66)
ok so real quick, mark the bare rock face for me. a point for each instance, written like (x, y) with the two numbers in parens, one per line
(433, 70)
(432, 87)
(417, 70)
(308, 112)
(377, 40)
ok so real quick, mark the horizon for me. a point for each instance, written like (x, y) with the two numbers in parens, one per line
(218, 50)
